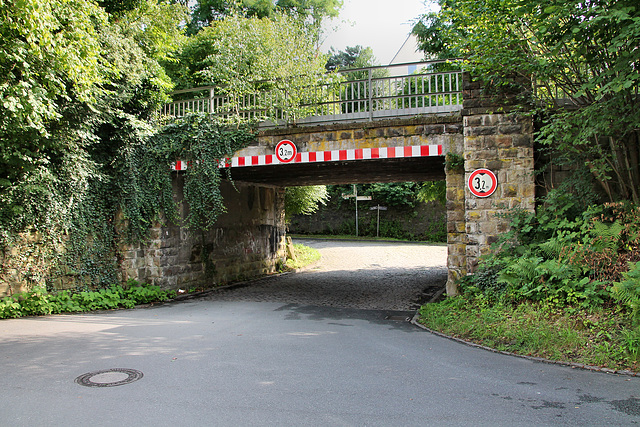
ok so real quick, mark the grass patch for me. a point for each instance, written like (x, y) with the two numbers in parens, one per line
(600, 336)
(304, 256)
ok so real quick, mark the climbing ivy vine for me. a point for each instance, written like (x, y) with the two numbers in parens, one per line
(204, 143)
(119, 202)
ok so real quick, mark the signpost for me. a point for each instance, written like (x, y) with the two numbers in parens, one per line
(355, 194)
(378, 208)
(482, 183)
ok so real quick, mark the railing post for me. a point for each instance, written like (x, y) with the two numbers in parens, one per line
(212, 93)
(370, 73)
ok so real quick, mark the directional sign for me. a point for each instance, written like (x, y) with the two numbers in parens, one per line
(482, 183)
(378, 208)
(286, 151)
(347, 196)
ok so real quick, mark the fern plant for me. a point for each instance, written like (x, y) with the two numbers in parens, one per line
(606, 236)
(521, 276)
(627, 291)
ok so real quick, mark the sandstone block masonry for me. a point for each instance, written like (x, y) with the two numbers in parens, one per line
(498, 140)
(247, 241)
(421, 130)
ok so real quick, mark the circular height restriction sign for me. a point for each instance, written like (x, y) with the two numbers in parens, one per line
(482, 182)
(286, 151)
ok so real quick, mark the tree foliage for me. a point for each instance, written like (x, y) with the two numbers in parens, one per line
(81, 158)
(304, 200)
(49, 57)
(203, 141)
(157, 26)
(583, 60)
(206, 12)
(351, 57)
(244, 57)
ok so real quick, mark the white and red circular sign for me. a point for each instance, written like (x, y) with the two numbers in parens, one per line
(482, 182)
(286, 151)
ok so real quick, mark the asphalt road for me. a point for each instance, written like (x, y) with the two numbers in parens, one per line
(256, 360)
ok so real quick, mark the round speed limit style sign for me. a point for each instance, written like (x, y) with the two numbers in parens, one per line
(286, 151)
(482, 183)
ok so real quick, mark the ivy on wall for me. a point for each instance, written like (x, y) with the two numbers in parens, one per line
(75, 241)
(205, 143)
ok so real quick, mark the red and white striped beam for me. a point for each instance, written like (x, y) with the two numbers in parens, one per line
(330, 156)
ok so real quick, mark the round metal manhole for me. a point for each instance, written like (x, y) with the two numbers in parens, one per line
(109, 377)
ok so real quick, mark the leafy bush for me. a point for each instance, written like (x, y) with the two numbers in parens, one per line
(39, 302)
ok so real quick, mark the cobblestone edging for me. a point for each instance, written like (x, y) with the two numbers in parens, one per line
(575, 365)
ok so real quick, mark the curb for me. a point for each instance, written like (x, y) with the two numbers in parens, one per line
(573, 365)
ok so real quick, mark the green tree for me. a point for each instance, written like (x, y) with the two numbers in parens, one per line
(49, 54)
(430, 191)
(356, 84)
(351, 57)
(158, 26)
(398, 194)
(245, 57)
(581, 55)
(208, 11)
(304, 200)
(78, 87)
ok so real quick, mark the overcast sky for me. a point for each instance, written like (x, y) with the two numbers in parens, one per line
(380, 24)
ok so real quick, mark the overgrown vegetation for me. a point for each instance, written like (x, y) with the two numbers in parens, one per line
(557, 54)
(564, 282)
(79, 88)
(85, 161)
(564, 277)
(39, 301)
(304, 200)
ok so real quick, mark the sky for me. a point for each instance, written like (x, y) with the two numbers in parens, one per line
(382, 25)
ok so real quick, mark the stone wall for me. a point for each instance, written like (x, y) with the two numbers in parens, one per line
(20, 266)
(247, 241)
(423, 222)
(502, 143)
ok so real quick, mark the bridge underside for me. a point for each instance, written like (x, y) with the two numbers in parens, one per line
(345, 172)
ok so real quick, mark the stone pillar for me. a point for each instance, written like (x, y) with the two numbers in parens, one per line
(501, 140)
(502, 143)
(456, 228)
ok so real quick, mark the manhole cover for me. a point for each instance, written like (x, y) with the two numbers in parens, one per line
(109, 377)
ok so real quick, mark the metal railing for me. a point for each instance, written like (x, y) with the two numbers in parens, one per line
(363, 94)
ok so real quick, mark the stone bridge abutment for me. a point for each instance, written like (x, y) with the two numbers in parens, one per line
(250, 238)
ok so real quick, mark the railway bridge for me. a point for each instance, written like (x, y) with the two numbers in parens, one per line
(422, 126)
